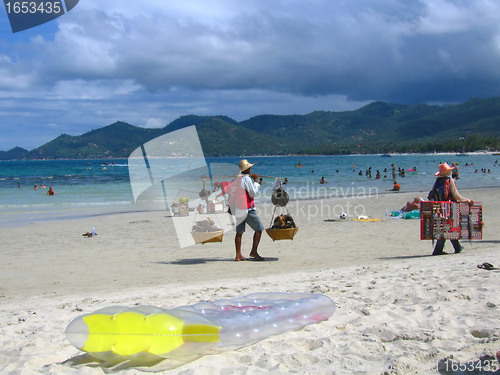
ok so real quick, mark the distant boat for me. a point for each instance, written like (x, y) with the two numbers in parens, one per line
(462, 154)
(385, 155)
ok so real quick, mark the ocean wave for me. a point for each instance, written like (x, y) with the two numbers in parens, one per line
(9, 178)
(65, 204)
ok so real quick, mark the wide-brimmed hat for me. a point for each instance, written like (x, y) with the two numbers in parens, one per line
(443, 169)
(244, 165)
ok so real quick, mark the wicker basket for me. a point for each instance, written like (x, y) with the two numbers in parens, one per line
(282, 234)
(180, 210)
(204, 237)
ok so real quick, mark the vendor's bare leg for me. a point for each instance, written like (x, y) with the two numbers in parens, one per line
(237, 243)
(255, 245)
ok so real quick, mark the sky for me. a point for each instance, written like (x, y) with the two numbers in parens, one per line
(149, 62)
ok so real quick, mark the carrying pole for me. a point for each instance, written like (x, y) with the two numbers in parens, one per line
(219, 177)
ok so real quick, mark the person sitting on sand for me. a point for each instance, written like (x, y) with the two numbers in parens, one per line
(396, 187)
(410, 206)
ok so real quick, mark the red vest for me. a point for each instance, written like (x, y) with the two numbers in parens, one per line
(239, 197)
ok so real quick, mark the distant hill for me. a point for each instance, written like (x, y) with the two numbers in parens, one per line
(223, 136)
(383, 127)
(377, 127)
(13, 154)
(112, 141)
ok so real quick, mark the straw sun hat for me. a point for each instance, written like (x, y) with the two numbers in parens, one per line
(244, 165)
(443, 169)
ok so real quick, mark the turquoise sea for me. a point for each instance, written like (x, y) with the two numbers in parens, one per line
(95, 187)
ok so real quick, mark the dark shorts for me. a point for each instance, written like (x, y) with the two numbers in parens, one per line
(253, 221)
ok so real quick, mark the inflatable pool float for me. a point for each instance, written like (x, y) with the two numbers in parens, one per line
(147, 333)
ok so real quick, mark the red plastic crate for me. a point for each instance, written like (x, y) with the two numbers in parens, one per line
(451, 220)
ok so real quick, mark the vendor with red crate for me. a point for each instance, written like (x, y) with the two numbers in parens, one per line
(445, 189)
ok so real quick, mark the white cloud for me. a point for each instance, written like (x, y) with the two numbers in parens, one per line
(92, 90)
(154, 123)
(9, 82)
(446, 16)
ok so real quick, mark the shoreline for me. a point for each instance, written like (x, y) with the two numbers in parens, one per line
(98, 193)
(72, 213)
(471, 153)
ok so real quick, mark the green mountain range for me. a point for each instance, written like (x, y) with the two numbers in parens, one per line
(378, 127)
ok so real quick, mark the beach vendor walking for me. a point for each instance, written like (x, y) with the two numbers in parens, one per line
(242, 192)
(445, 189)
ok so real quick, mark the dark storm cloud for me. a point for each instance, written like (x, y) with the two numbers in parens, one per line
(360, 49)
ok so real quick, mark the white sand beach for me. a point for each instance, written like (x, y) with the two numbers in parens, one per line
(399, 309)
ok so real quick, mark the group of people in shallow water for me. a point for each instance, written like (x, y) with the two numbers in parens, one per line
(378, 175)
(42, 186)
(401, 172)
